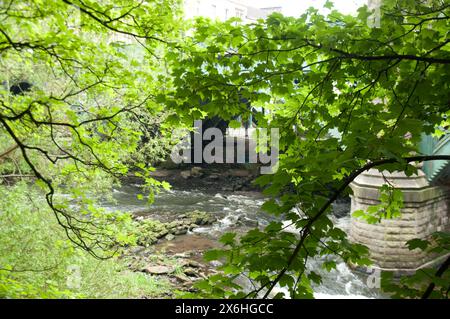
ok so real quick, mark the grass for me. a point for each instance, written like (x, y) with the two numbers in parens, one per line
(37, 260)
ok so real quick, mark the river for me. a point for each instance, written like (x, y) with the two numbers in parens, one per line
(241, 211)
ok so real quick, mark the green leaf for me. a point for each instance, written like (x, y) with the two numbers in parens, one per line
(234, 124)
(228, 238)
(417, 243)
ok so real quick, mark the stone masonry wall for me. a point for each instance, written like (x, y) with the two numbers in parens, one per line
(426, 210)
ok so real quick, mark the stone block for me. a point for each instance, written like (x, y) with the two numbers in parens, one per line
(426, 210)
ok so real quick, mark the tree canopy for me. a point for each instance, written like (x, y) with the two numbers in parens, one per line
(345, 95)
(81, 121)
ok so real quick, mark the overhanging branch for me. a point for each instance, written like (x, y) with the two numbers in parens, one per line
(305, 232)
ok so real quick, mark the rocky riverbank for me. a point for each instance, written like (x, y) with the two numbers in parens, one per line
(226, 178)
(171, 252)
(168, 246)
(150, 231)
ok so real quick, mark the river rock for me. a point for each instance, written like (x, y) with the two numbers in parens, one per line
(239, 172)
(175, 224)
(248, 222)
(186, 174)
(215, 263)
(147, 240)
(340, 209)
(196, 171)
(170, 237)
(162, 233)
(190, 272)
(159, 270)
(149, 230)
(182, 278)
(138, 250)
(227, 188)
(137, 264)
(194, 264)
(202, 275)
(188, 287)
(201, 218)
(180, 231)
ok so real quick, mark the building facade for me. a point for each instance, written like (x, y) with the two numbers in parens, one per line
(226, 9)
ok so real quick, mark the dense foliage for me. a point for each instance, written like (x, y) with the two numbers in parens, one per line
(79, 125)
(77, 112)
(345, 95)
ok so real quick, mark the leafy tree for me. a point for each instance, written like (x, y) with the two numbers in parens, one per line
(346, 96)
(78, 125)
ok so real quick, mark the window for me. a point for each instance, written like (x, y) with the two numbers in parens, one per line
(239, 13)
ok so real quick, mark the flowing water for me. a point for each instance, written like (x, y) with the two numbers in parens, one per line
(240, 211)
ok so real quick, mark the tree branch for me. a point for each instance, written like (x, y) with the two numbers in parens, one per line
(306, 230)
(8, 151)
(438, 274)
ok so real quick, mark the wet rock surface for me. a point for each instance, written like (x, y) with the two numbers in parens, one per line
(222, 178)
(159, 270)
(150, 231)
(169, 249)
(341, 207)
(179, 260)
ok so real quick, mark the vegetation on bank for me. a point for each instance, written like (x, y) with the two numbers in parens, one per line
(39, 261)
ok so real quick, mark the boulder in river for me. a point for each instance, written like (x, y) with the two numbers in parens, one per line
(201, 218)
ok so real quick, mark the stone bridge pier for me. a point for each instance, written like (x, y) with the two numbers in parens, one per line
(426, 210)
